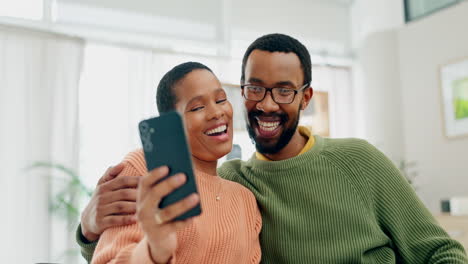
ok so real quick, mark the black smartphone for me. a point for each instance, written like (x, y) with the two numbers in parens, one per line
(165, 144)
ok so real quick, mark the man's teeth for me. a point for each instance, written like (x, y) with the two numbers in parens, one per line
(268, 126)
(217, 130)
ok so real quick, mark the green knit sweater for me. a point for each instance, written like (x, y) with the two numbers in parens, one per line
(342, 201)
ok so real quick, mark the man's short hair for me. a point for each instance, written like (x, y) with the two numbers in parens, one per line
(281, 43)
(165, 95)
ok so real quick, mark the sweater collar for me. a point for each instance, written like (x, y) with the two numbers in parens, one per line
(293, 162)
(305, 132)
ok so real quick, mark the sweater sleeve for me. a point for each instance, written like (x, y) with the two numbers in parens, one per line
(416, 235)
(87, 248)
(123, 244)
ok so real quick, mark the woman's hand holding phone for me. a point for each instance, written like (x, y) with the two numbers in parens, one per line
(157, 224)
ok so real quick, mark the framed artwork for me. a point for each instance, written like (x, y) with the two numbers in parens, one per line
(454, 86)
(316, 115)
(416, 9)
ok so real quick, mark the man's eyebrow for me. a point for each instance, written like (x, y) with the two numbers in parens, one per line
(254, 80)
(285, 83)
(280, 83)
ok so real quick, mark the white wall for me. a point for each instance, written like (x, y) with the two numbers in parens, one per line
(424, 46)
(320, 25)
(204, 11)
(397, 92)
(377, 94)
(371, 16)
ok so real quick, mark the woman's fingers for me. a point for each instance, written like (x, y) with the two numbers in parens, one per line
(162, 189)
(174, 210)
(148, 181)
(150, 196)
(156, 192)
(153, 177)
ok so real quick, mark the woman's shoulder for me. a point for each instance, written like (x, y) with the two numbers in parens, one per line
(136, 159)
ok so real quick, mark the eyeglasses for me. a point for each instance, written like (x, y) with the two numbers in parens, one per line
(279, 94)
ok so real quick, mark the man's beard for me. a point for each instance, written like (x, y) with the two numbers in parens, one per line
(284, 138)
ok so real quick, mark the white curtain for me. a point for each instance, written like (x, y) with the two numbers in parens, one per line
(39, 77)
(117, 91)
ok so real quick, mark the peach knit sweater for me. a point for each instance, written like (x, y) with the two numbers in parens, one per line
(226, 232)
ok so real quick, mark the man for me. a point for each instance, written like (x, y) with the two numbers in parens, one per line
(323, 200)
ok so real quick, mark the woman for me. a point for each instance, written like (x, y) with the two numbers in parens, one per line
(228, 228)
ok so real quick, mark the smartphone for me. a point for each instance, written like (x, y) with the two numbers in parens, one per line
(165, 144)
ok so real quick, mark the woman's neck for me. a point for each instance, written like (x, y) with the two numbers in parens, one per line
(208, 167)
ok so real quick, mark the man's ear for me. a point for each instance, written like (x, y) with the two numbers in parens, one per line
(308, 93)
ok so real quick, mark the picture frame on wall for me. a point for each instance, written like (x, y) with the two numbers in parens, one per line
(454, 91)
(317, 116)
(417, 9)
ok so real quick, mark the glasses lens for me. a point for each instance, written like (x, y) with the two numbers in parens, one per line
(283, 95)
(254, 93)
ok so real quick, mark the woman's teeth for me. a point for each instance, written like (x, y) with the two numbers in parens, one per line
(268, 126)
(217, 130)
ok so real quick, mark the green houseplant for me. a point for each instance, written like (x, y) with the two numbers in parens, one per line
(68, 190)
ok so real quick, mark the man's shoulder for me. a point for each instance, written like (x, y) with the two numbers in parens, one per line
(352, 153)
(359, 156)
(348, 146)
(231, 169)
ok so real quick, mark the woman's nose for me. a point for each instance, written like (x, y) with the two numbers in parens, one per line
(215, 112)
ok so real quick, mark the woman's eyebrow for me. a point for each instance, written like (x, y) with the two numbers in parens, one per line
(220, 89)
(199, 97)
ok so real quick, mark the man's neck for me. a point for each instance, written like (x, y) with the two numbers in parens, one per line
(292, 149)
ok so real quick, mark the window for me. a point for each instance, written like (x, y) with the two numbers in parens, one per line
(27, 9)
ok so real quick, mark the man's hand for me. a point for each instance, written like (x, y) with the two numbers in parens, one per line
(157, 224)
(112, 203)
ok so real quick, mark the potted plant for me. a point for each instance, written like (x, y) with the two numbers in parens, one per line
(68, 190)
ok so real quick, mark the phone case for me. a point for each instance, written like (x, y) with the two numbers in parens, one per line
(164, 143)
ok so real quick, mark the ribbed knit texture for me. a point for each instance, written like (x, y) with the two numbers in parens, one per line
(227, 231)
(342, 201)
(87, 248)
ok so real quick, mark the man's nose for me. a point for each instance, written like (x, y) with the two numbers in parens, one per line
(267, 105)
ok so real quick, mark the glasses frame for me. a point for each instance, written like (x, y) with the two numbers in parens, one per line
(296, 91)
